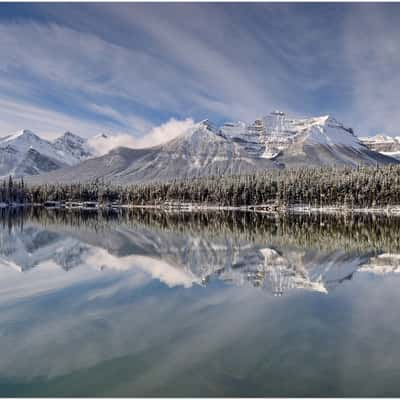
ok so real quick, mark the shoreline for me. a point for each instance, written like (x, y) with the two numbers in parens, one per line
(187, 207)
(389, 210)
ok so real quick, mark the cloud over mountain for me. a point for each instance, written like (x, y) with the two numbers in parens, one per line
(103, 144)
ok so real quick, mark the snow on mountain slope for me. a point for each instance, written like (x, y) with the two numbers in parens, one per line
(72, 148)
(327, 131)
(275, 141)
(201, 151)
(289, 142)
(387, 145)
(24, 140)
(35, 163)
(303, 142)
(379, 139)
(283, 132)
(320, 141)
(308, 141)
(25, 153)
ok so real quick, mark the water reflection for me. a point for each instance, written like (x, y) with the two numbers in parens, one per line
(270, 253)
(145, 303)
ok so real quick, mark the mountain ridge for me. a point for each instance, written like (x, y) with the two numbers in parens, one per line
(274, 142)
(387, 145)
(25, 153)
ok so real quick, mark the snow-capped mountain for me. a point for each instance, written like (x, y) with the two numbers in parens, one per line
(275, 141)
(72, 148)
(311, 141)
(386, 145)
(293, 142)
(200, 151)
(25, 153)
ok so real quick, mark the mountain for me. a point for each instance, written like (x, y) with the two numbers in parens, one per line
(72, 148)
(386, 145)
(325, 141)
(25, 153)
(200, 151)
(303, 142)
(276, 141)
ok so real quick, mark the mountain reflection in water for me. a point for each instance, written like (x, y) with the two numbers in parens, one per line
(275, 254)
(157, 302)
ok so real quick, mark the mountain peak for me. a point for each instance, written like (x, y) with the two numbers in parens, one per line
(72, 148)
(70, 134)
(23, 133)
(26, 132)
(208, 125)
(23, 138)
(203, 130)
(329, 131)
(329, 120)
(70, 138)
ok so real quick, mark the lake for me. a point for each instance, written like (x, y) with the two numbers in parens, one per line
(150, 303)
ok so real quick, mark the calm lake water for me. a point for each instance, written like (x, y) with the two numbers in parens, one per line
(220, 304)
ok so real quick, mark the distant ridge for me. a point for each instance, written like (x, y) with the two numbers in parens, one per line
(275, 141)
(25, 153)
(387, 145)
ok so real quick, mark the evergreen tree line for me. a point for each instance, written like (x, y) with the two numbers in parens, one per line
(362, 233)
(13, 192)
(327, 186)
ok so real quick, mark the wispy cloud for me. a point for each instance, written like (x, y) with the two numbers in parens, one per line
(15, 115)
(125, 68)
(127, 121)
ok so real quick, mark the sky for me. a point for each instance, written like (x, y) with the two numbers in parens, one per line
(145, 72)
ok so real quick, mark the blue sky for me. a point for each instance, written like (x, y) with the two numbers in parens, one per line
(127, 68)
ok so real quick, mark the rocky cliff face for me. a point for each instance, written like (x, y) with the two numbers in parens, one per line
(386, 145)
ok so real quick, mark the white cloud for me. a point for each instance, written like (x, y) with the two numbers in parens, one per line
(154, 137)
(103, 144)
(166, 132)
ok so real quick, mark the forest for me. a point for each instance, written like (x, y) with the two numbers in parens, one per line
(353, 187)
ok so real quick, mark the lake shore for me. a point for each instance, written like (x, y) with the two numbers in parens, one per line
(187, 207)
(389, 210)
